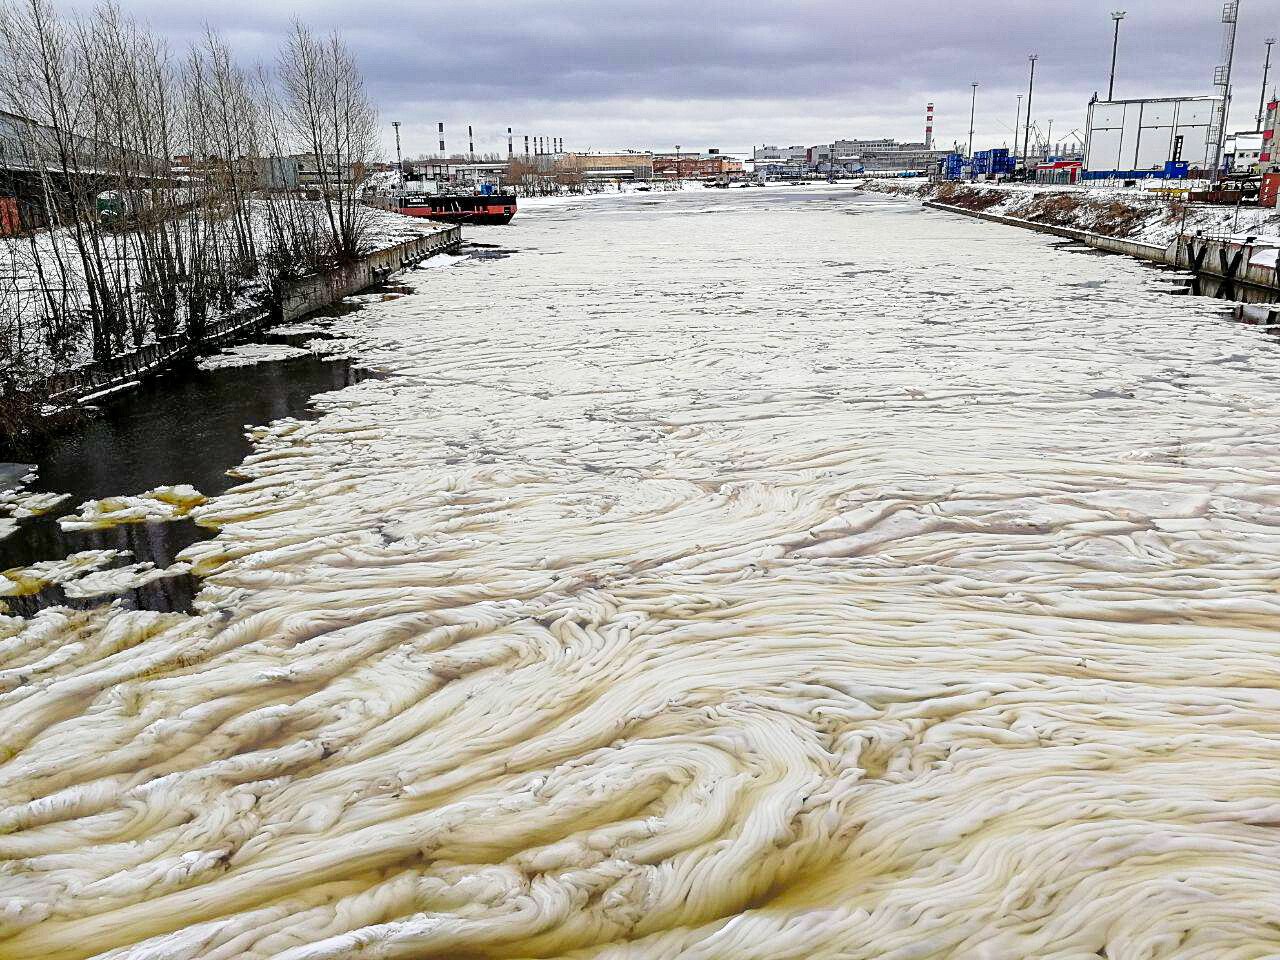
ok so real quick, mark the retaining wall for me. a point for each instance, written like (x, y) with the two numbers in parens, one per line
(1132, 248)
(315, 293)
(1247, 261)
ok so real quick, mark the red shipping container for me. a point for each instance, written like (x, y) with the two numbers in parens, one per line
(1270, 191)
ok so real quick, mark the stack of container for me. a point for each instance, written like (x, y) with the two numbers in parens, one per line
(995, 162)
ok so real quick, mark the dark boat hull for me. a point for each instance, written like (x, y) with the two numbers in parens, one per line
(459, 208)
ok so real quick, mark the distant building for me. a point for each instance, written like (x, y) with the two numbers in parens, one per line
(694, 166)
(274, 173)
(606, 166)
(314, 173)
(873, 156)
(299, 171)
(1244, 152)
(782, 169)
(783, 154)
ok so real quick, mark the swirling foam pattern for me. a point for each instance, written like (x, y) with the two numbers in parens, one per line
(762, 575)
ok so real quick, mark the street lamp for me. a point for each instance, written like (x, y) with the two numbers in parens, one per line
(1026, 140)
(1117, 16)
(399, 162)
(1017, 119)
(1266, 69)
(972, 107)
(679, 179)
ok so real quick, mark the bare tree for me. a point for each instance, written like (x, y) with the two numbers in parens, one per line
(329, 113)
(148, 202)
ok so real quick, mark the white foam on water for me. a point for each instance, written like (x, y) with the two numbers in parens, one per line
(841, 580)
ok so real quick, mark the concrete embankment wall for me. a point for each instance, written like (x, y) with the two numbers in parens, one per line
(315, 293)
(1254, 264)
(299, 298)
(1132, 248)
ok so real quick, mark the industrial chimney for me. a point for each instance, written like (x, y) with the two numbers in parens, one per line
(928, 129)
(442, 138)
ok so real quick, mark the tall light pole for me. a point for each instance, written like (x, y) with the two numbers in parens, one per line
(973, 106)
(1266, 69)
(399, 162)
(1117, 16)
(1026, 140)
(679, 180)
(1017, 120)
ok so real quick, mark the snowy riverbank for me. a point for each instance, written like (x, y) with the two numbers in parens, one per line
(1130, 214)
(48, 259)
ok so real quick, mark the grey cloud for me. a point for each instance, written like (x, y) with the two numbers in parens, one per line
(610, 73)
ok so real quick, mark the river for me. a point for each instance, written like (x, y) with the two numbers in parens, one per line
(724, 574)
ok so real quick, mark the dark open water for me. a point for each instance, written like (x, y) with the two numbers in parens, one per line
(186, 426)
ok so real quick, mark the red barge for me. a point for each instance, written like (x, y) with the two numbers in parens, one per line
(479, 208)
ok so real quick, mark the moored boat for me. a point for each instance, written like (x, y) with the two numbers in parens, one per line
(479, 208)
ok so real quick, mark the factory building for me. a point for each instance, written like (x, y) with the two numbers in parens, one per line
(780, 154)
(606, 166)
(782, 169)
(873, 156)
(695, 166)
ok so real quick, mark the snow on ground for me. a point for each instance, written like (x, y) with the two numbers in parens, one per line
(23, 258)
(388, 228)
(1135, 213)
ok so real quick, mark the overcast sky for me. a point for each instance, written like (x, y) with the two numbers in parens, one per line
(732, 73)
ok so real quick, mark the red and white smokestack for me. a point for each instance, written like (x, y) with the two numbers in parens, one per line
(928, 129)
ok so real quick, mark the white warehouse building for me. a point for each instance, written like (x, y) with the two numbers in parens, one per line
(1133, 139)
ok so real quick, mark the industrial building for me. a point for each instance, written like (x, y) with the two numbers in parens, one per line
(848, 157)
(1164, 137)
(782, 169)
(1244, 152)
(695, 166)
(606, 166)
(780, 154)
